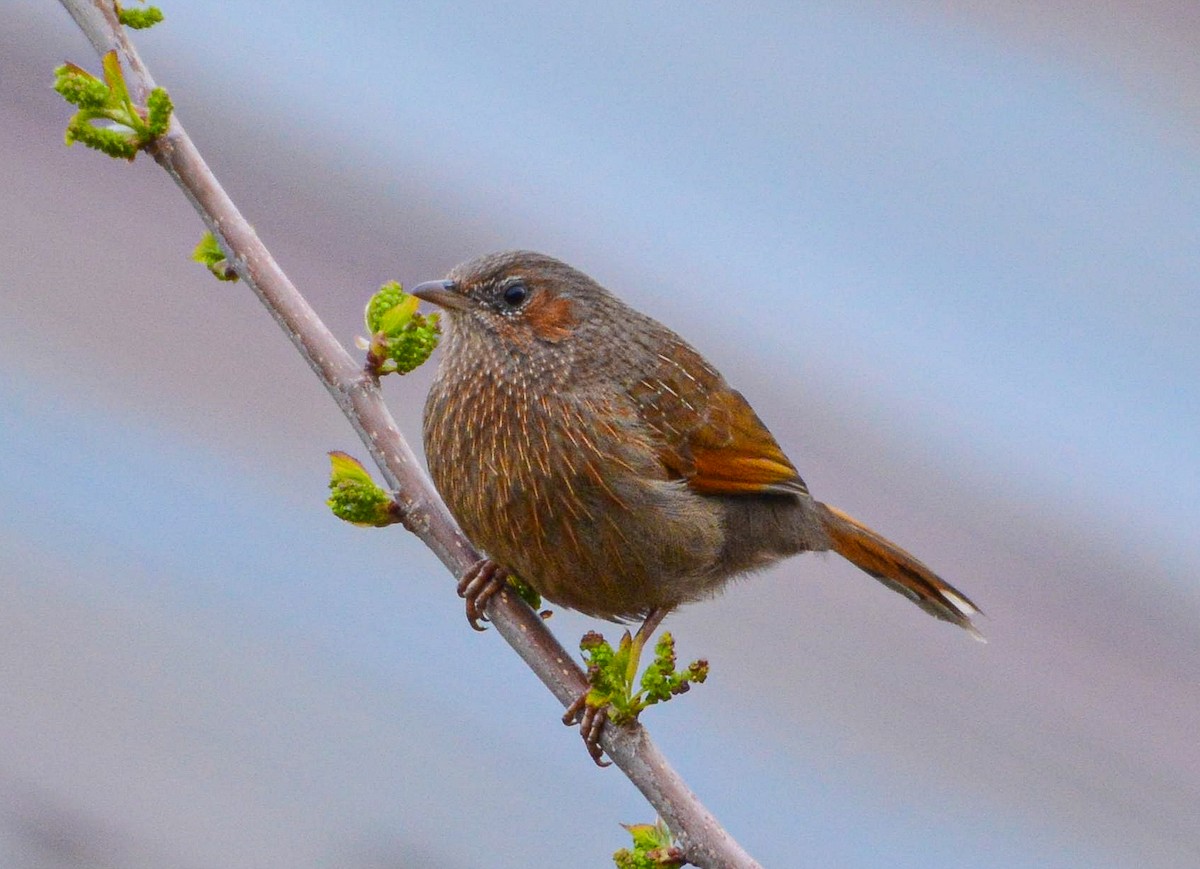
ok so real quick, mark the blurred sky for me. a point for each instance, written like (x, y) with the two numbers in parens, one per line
(949, 250)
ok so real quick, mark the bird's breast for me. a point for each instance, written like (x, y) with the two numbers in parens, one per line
(567, 491)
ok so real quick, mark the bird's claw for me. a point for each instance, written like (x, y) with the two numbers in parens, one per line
(478, 585)
(591, 724)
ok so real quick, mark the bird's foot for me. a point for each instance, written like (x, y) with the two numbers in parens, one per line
(591, 724)
(478, 585)
(610, 695)
(615, 694)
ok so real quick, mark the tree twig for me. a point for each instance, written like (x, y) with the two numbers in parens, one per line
(702, 839)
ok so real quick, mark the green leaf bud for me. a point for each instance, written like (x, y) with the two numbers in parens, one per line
(158, 111)
(354, 497)
(139, 19)
(524, 591)
(209, 254)
(387, 297)
(79, 87)
(653, 848)
(107, 140)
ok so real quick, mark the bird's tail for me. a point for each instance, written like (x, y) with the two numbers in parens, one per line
(897, 569)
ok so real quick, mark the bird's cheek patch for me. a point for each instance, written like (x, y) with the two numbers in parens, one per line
(551, 317)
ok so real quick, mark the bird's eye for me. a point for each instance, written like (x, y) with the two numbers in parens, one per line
(515, 294)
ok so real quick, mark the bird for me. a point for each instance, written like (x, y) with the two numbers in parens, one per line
(595, 454)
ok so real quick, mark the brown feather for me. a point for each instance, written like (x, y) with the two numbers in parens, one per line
(594, 453)
(739, 455)
(899, 570)
(551, 317)
(709, 436)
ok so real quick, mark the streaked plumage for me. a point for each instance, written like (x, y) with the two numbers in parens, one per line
(593, 452)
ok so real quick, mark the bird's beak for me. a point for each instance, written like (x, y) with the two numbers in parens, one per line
(445, 294)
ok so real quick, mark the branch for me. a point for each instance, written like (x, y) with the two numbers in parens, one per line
(697, 833)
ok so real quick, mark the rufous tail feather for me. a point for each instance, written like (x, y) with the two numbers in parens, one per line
(897, 569)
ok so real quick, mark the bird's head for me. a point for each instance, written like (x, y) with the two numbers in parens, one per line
(522, 299)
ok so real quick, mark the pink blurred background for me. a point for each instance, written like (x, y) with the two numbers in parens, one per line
(950, 251)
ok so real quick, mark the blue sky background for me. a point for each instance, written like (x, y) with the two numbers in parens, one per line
(949, 252)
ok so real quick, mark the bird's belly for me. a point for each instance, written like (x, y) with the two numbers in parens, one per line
(591, 526)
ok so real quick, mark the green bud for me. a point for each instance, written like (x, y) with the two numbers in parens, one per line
(394, 320)
(416, 343)
(387, 297)
(139, 19)
(114, 78)
(646, 836)
(108, 101)
(626, 859)
(79, 87)
(653, 848)
(209, 254)
(401, 339)
(106, 140)
(661, 681)
(524, 591)
(612, 673)
(158, 111)
(354, 497)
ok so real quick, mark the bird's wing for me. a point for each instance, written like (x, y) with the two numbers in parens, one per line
(708, 435)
